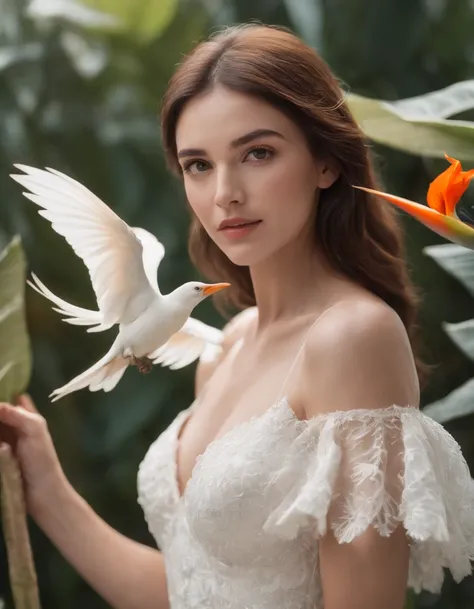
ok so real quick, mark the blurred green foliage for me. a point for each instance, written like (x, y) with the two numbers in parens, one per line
(81, 94)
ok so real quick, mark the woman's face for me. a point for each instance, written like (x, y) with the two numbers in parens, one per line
(248, 173)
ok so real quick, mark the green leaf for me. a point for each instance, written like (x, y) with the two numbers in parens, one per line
(388, 124)
(15, 357)
(458, 403)
(456, 260)
(444, 103)
(143, 19)
(459, 262)
(462, 335)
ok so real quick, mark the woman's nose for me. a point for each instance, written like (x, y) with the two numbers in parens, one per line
(228, 189)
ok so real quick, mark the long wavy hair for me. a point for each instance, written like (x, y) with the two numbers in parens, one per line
(358, 234)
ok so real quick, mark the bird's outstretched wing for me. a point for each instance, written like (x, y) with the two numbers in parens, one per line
(153, 252)
(111, 250)
(195, 339)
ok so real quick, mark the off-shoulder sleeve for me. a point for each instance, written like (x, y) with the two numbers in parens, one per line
(353, 469)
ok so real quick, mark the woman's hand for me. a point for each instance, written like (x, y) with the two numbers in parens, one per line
(27, 432)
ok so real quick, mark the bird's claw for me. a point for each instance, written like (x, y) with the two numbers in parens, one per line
(144, 364)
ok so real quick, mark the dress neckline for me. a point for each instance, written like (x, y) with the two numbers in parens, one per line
(281, 403)
(185, 415)
(285, 408)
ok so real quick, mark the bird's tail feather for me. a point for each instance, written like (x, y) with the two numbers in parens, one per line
(76, 316)
(104, 374)
(108, 377)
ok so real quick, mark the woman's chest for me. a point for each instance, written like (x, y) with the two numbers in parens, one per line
(246, 386)
(234, 484)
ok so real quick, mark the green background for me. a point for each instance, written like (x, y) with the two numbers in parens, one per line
(83, 97)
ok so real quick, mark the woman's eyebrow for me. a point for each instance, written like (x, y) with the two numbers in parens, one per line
(240, 141)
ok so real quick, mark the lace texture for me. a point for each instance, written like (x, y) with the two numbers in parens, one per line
(245, 532)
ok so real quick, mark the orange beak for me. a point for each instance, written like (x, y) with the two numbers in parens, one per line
(214, 287)
(443, 195)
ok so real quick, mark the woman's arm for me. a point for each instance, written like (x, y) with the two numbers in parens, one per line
(360, 358)
(127, 574)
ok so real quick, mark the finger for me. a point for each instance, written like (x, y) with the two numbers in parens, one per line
(18, 418)
(26, 402)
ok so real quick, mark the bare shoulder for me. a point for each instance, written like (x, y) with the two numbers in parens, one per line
(358, 356)
(356, 322)
(232, 332)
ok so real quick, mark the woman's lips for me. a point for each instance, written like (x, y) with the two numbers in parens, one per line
(238, 231)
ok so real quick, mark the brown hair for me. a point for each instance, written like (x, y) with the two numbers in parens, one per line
(358, 234)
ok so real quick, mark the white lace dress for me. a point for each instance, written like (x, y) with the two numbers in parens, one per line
(244, 534)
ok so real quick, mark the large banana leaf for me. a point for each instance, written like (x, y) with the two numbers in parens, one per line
(15, 369)
(458, 262)
(418, 125)
(15, 358)
(443, 103)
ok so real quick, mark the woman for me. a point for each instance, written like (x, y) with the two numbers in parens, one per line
(303, 475)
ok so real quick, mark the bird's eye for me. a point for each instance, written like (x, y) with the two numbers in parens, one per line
(197, 288)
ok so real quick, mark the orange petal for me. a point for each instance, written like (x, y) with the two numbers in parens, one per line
(438, 188)
(453, 161)
(445, 190)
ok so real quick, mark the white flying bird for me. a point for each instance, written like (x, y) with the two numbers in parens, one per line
(154, 328)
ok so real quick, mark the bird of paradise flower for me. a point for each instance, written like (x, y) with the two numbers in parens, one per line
(443, 196)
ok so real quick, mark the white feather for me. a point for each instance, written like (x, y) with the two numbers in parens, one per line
(94, 376)
(77, 316)
(195, 339)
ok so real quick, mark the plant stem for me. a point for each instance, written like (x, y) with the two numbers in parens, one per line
(20, 558)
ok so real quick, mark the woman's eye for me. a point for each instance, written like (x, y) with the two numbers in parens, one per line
(195, 167)
(260, 154)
